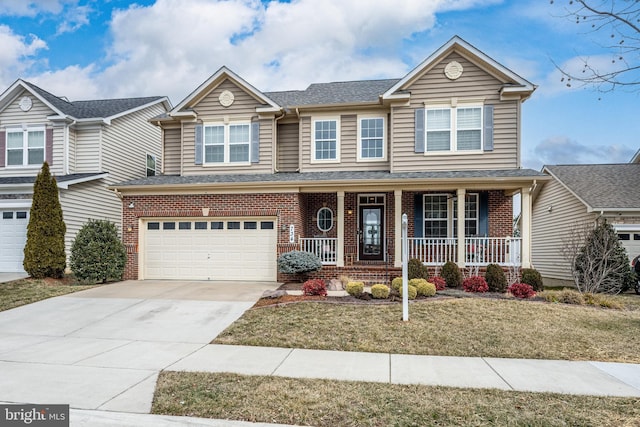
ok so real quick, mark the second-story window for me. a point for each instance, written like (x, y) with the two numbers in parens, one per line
(371, 138)
(326, 141)
(454, 129)
(227, 143)
(25, 147)
(151, 165)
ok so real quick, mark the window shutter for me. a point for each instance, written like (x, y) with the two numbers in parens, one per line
(488, 128)
(419, 136)
(418, 216)
(483, 226)
(3, 144)
(198, 146)
(48, 145)
(255, 141)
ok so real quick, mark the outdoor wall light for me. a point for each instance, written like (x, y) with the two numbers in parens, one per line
(132, 205)
(129, 229)
(350, 211)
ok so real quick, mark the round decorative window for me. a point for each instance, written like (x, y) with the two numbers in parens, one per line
(325, 219)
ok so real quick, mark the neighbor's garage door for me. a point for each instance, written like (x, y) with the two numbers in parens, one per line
(630, 239)
(13, 236)
(222, 249)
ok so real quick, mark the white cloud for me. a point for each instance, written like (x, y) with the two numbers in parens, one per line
(32, 7)
(559, 150)
(75, 18)
(73, 82)
(17, 54)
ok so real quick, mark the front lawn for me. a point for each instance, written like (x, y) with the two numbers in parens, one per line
(335, 404)
(474, 327)
(27, 291)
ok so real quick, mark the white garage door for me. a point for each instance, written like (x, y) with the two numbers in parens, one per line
(221, 249)
(630, 239)
(13, 236)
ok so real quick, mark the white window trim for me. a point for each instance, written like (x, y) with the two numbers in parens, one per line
(477, 217)
(155, 164)
(453, 131)
(226, 145)
(451, 219)
(318, 219)
(384, 138)
(313, 139)
(25, 146)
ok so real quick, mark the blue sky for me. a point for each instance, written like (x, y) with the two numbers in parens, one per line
(87, 49)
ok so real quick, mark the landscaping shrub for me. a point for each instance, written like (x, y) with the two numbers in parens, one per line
(396, 284)
(439, 282)
(496, 279)
(355, 288)
(423, 287)
(415, 269)
(412, 293)
(97, 253)
(475, 284)
(298, 262)
(521, 290)
(314, 287)
(44, 254)
(569, 296)
(451, 274)
(532, 277)
(380, 291)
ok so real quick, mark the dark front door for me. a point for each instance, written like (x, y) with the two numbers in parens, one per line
(371, 232)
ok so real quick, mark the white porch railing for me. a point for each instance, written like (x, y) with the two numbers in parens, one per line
(323, 247)
(479, 251)
(433, 251)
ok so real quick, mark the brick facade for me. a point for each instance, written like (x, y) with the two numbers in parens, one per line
(500, 214)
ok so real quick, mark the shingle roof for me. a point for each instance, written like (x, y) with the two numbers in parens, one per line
(12, 180)
(337, 177)
(334, 93)
(613, 186)
(98, 109)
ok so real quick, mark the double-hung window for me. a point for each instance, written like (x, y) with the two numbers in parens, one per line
(326, 140)
(227, 143)
(453, 129)
(441, 215)
(471, 215)
(371, 138)
(25, 147)
(151, 165)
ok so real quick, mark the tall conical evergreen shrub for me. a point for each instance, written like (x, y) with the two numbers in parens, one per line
(44, 254)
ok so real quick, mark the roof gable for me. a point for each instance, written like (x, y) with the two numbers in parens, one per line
(213, 82)
(513, 83)
(600, 187)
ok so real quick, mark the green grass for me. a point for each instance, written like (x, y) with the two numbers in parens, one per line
(474, 327)
(335, 404)
(27, 291)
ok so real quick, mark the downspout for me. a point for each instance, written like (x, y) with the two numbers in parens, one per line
(275, 140)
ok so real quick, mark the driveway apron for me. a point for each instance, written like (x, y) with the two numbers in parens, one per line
(103, 348)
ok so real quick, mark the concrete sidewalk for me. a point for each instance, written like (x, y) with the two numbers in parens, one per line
(555, 376)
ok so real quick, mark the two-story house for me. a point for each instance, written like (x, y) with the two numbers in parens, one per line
(248, 175)
(88, 145)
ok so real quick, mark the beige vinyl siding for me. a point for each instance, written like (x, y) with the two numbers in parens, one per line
(243, 108)
(172, 151)
(475, 83)
(71, 155)
(126, 143)
(348, 145)
(88, 200)
(13, 116)
(550, 228)
(288, 147)
(87, 149)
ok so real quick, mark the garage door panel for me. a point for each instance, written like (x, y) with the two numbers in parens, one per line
(13, 237)
(230, 249)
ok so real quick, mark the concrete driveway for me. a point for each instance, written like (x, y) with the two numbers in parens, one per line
(103, 348)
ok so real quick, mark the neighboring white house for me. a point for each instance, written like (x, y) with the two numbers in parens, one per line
(88, 145)
(580, 194)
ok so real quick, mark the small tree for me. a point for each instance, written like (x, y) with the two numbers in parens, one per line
(298, 263)
(44, 254)
(600, 263)
(97, 253)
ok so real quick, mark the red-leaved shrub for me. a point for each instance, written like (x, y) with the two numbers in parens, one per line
(475, 284)
(521, 290)
(314, 287)
(439, 282)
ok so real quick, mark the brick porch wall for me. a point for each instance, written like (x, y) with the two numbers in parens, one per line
(500, 214)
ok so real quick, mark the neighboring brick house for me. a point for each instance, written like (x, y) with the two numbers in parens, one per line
(248, 175)
(89, 145)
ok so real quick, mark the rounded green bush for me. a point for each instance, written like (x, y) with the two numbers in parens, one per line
(426, 289)
(451, 274)
(380, 291)
(416, 270)
(298, 262)
(355, 288)
(97, 253)
(396, 284)
(532, 277)
(413, 292)
(496, 279)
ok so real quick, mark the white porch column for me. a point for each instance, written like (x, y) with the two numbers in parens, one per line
(397, 230)
(340, 219)
(525, 225)
(460, 227)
